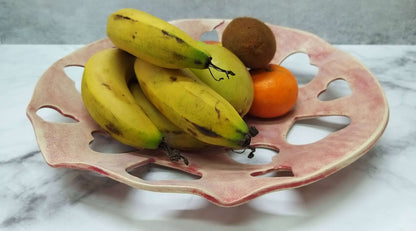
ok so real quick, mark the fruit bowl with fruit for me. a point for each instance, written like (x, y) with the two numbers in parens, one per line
(189, 141)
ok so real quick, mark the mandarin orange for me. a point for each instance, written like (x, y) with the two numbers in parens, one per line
(275, 91)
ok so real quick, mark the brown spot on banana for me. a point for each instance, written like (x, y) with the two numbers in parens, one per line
(107, 86)
(218, 112)
(198, 62)
(134, 35)
(192, 132)
(113, 129)
(205, 131)
(178, 56)
(173, 132)
(178, 40)
(201, 129)
(122, 17)
(143, 84)
(173, 78)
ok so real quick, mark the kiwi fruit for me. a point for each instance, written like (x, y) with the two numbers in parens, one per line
(251, 40)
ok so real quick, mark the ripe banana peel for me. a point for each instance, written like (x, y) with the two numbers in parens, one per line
(157, 41)
(184, 112)
(238, 90)
(173, 135)
(108, 100)
(193, 106)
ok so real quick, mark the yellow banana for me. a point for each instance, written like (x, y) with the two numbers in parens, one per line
(173, 135)
(108, 100)
(157, 41)
(239, 90)
(193, 106)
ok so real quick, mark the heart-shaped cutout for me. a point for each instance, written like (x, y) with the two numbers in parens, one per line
(311, 130)
(281, 171)
(75, 73)
(300, 66)
(336, 89)
(155, 172)
(210, 36)
(54, 115)
(104, 143)
(261, 156)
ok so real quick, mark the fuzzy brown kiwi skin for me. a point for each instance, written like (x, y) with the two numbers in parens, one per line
(251, 40)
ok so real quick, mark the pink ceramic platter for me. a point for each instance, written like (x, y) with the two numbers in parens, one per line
(221, 179)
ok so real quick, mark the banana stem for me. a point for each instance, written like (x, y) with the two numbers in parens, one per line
(227, 73)
(252, 132)
(173, 154)
(253, 150)
(250, 155)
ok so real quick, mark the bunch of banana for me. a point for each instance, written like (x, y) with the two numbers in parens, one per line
(174, 136)
(157, 41)
(107, 98)
(193, 106)
(166, 105)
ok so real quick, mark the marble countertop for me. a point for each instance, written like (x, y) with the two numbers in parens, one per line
(376, 192)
